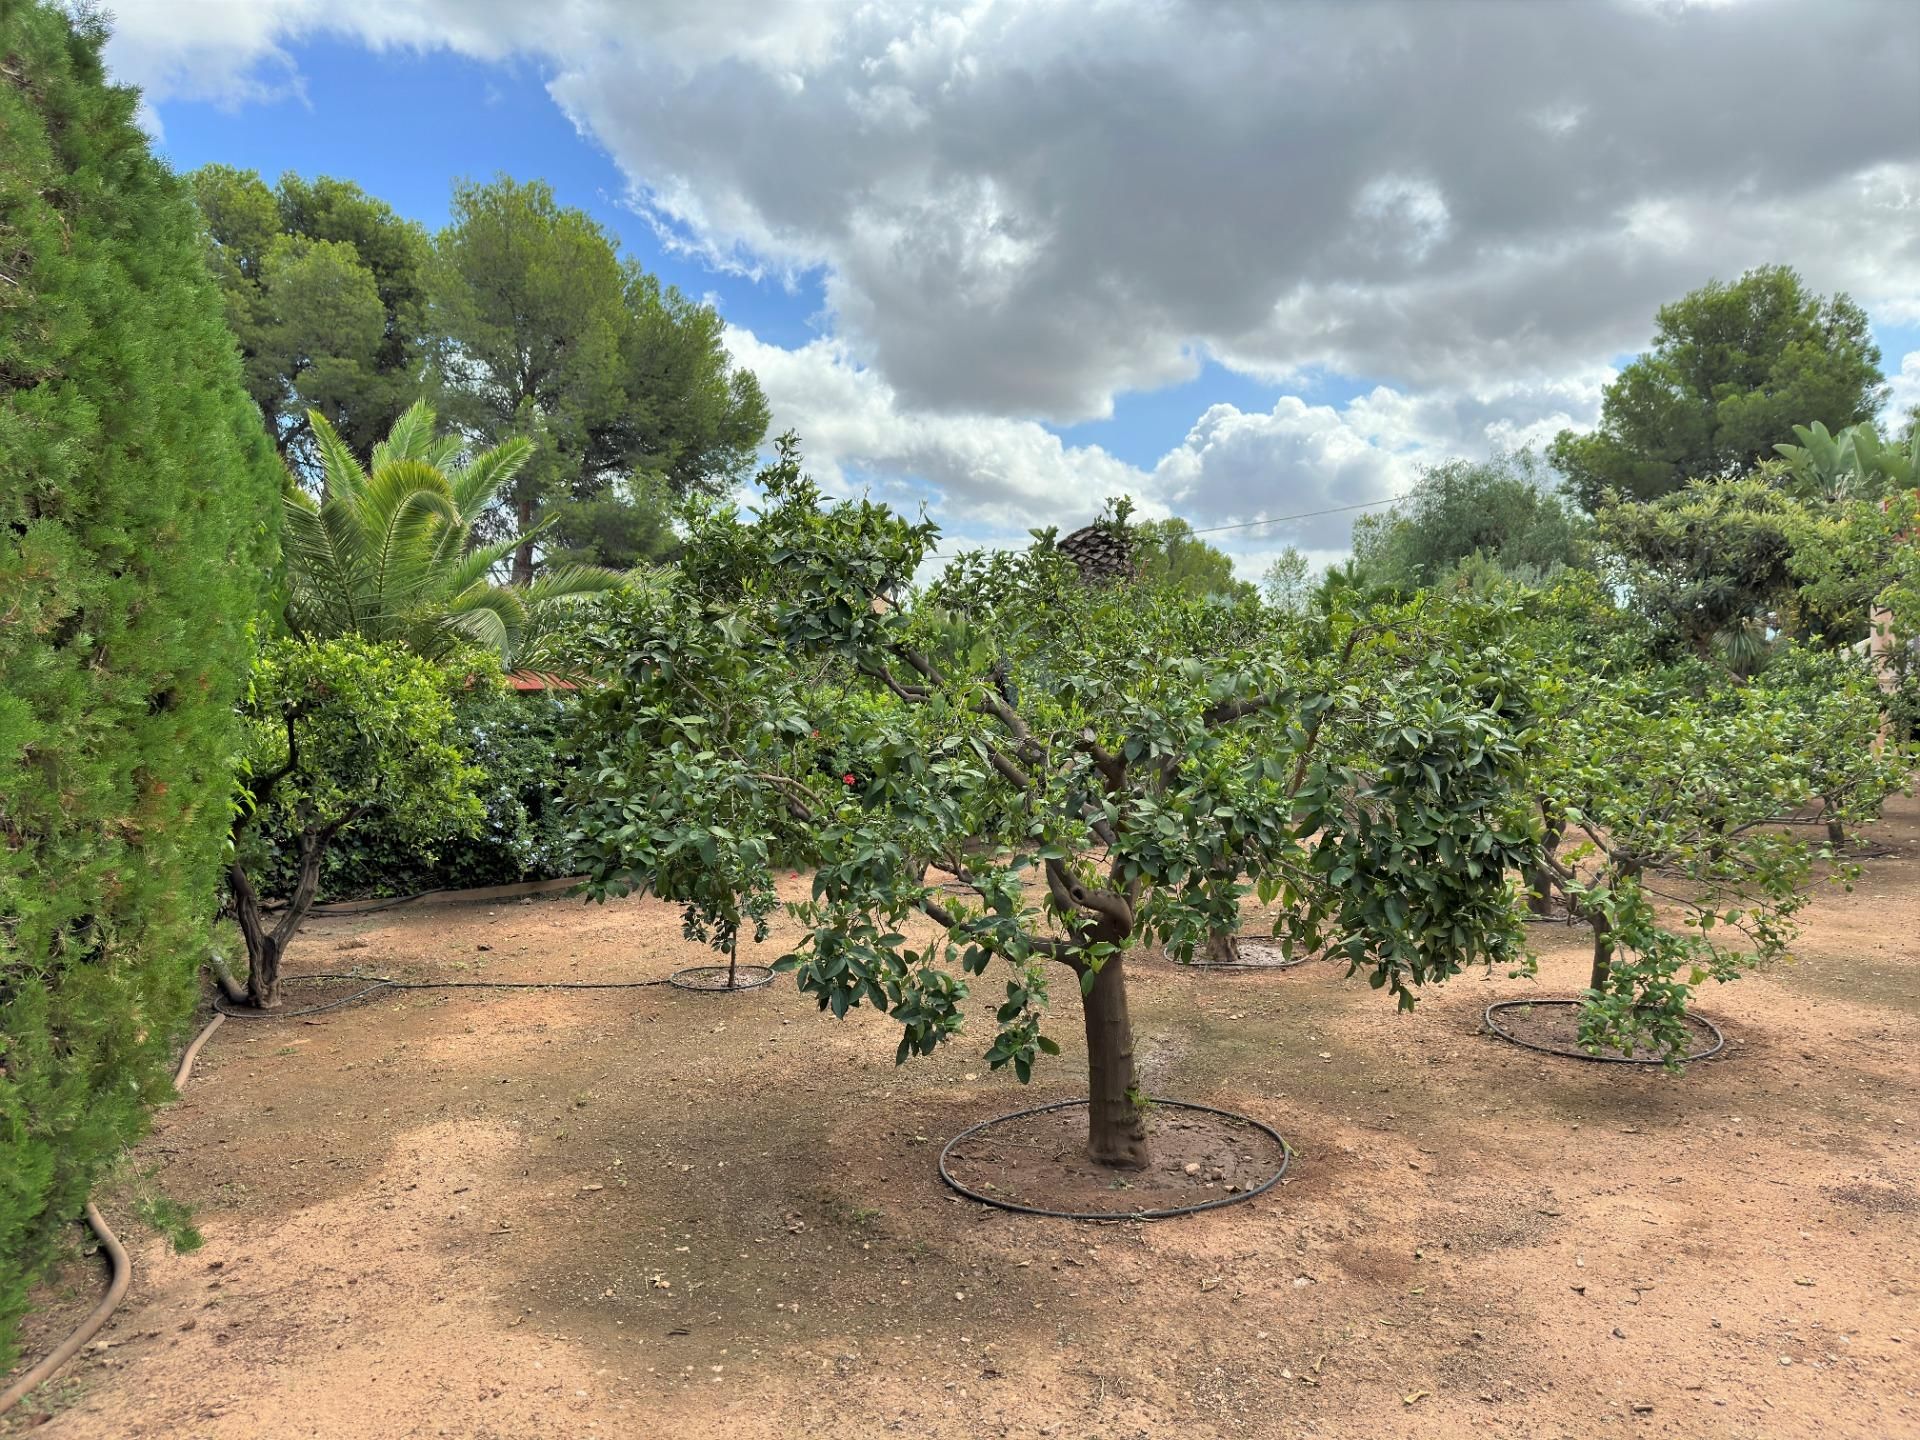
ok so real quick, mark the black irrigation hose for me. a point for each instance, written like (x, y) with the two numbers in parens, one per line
(515, 891)
(1719, 1038)
(1169, 1213)
(379, 983)
(122, 1267)
(361, 907)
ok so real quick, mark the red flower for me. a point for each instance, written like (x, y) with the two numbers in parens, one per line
(847, 778)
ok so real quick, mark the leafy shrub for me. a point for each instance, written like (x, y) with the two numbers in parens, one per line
(517, 742)
(136, 523)
(338, 731)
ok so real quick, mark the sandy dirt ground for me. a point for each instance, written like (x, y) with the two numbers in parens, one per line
(657, 1214)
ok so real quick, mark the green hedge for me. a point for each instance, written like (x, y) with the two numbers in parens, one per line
(519, 742)
(138, 493)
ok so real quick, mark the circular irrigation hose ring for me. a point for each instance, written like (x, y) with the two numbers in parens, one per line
(745, 977)
(1250, 965)
(1493, 1028)
(1171, 1212)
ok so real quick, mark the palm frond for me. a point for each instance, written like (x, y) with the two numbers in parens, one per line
(338, 468)
(389, 554)
(411, 437)
(488, 473)
(571, 581)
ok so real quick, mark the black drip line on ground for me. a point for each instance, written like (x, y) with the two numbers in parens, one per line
(1285, 963)
(1170, 1212)
(375, 984)
(1493, 1028)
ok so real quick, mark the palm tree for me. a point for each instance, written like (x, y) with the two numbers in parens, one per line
(390, 552)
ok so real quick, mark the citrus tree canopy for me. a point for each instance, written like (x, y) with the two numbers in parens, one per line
(1048, 771)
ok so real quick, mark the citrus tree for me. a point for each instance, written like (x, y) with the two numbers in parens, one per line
(1018, 759)
(337, 731)
(1674, 853)
(1836, 709)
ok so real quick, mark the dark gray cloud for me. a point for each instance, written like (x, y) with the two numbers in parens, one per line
(1029, 208)
(1023, 210)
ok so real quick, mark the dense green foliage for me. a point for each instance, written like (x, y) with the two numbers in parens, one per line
(1858, 558)
(517, 742)
(326, 294)
(1855, 464)
(337, 731)
(1096, 766)
(1499, 511)
(1732, 370)
(1167, 552)
(543, 332)
(390, 554)
(1708, 566)
(1655, 787)
(1665, 795)
(1835, 708)
(137, 507)
(628, 524)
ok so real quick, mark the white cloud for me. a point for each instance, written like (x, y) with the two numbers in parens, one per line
(991, 478)
(1023, 210)
(1903, 390)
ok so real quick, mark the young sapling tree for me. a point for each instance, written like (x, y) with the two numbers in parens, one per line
(335, 731)
(1681, 866)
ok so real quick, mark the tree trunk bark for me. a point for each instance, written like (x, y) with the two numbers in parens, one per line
(1539, 880)
(1116, 1124)
(265, 948)
(1223, 948)
(1602, 954)
(523, 556)
(262, 990)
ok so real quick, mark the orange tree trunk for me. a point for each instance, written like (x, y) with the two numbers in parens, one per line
(1116, 1124)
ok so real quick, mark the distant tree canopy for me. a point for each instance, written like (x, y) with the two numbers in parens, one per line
(1732, 370)
(520, 320)
(1500, 509)
(1708, 566)
(325, 291)
(543, 331)
(1286, 584)
(1168, 552)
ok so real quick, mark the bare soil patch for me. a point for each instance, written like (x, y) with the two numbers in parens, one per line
(1256, 953)
(1038, 1161)
(1555, 1025)
(654, 1214)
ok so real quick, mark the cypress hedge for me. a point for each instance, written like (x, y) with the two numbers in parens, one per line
(138, 498)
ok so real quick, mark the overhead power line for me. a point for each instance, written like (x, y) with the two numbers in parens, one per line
(1283, 519)
(1270, 520)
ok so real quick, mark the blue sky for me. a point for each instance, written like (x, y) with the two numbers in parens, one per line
(404, 124)
(1012, 261)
